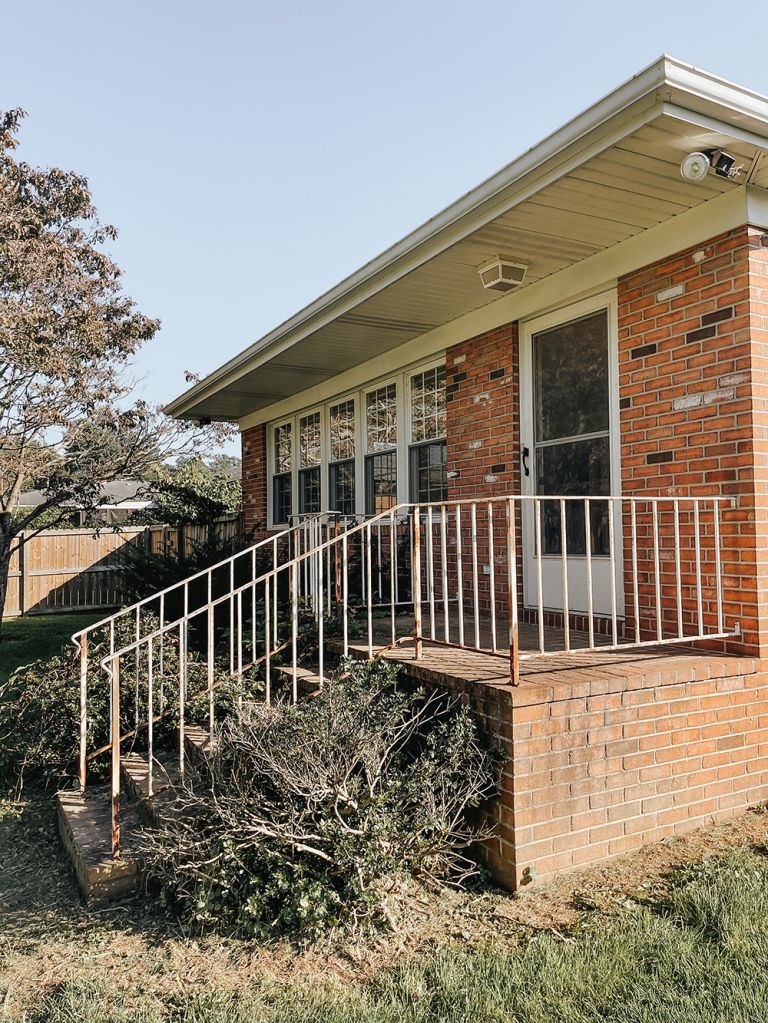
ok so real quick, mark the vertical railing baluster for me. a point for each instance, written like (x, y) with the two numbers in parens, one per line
(392, 575)
(564, 559)
(697, 540)
(150, 719)
(459, 575)
(657, 568)
(137, 669)
(294, 628)
(588, 555)
(475, 580)
(239, 633)
(430, 573)
(718, 566)
(210, 667)
(539, 576)
(612, 552)
(231, 618)
(492, 577)
(274, 590)
(320, 619)
(182, 691)
(114, 704)
(635, 579)
(417, 624)
(345, 591)
(678, 571)
(162, 645)
(83, 710)
(267, 647)
(514, 631)
(369, 588)
(444, 572)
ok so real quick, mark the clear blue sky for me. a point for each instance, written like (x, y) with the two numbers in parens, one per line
(252, 154)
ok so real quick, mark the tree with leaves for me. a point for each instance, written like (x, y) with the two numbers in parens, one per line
(68, 333)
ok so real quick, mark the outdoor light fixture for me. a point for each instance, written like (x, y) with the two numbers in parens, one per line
(696, 166)
(502, 274)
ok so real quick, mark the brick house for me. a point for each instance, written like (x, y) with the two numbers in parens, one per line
(583, 339)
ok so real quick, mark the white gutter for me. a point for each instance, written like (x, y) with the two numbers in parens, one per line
(665, 80)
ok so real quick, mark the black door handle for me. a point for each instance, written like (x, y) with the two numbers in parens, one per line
(526, 453)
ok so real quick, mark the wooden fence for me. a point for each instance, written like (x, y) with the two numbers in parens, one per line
(81, 570)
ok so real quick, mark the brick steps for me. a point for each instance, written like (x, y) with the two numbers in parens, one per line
(307, 679)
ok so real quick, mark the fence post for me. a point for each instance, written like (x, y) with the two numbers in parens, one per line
(23, 574)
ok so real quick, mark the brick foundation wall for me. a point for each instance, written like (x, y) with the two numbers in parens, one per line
(692, 371)
(611, 760)
(254, 470)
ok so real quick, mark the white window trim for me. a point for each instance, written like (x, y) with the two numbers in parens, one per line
(402, 381)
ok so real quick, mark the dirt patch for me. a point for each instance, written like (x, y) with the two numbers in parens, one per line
(47, 937)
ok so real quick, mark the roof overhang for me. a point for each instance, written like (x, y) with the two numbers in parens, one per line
(609, 174)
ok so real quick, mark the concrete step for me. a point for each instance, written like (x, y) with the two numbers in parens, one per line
(85, 826)
(134, 773)
(307, 679)
(198, 744)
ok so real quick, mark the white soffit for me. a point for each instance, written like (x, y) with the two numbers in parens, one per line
(608, 175)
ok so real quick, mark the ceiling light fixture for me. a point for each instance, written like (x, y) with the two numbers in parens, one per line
(502, 274)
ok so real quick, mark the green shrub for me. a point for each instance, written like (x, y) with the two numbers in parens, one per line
(309, 815)
(40, 706)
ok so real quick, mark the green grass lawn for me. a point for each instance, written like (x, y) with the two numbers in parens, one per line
(27, 639)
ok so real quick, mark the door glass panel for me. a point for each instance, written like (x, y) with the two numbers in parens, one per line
(571, 378)
(574, 468)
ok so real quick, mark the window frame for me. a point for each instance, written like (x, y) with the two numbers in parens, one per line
(358, 396)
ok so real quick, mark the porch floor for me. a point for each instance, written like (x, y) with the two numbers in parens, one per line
(552, 675)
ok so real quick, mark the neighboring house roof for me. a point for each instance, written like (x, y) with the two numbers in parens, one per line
(609, 174)
(128, 494)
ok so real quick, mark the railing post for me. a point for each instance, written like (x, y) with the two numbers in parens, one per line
(514, 638)
(83, 708)
(115, 742)
(417, 626)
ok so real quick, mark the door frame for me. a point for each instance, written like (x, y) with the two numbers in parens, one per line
(534, 325)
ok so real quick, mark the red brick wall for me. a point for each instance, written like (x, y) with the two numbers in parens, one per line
(603, 759)
(604, 768)
(483, 424)
(689, 369)
(254, 447)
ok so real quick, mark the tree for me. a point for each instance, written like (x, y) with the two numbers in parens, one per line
(67, 335)
(194, 489)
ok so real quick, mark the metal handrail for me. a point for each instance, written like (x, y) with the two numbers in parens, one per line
(451, 570)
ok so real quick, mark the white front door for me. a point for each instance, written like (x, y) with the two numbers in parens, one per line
(569, 441)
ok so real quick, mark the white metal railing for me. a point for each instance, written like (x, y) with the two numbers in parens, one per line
(180, 601)
(601, 573)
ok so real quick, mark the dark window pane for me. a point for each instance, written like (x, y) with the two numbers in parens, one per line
(342, 487)
(428, 479)
(381, 482)
(281, 508)
(571, 378)
(309, 491)
(575, 468)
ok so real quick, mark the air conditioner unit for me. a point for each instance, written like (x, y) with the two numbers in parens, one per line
(502, 274)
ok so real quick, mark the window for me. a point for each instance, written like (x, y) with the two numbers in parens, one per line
(309, 464)
(381, 418)
(381, 459)
(341, 480)
(281, 482)
(428, 449)
(428, 404)
(381, 482)
(345, 455)
(428, 472)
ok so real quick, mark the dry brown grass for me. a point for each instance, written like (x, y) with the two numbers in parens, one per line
(137, 953)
